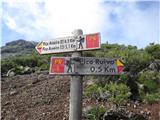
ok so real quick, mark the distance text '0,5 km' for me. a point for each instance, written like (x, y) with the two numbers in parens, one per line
(103, 69)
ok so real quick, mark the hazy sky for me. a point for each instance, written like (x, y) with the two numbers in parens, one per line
(124, 22)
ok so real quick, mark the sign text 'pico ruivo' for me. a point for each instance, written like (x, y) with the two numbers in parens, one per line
(85, 66)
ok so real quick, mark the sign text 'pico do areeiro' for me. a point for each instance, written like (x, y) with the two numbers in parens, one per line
(85, 66)
(69, 44)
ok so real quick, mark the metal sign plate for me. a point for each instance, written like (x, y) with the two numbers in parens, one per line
(99, 66)
(85, 66)
(69, 44)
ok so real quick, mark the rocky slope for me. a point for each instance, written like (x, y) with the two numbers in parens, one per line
(34, 97)
(38, 96)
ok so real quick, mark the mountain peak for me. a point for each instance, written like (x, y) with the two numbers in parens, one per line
(17, 47)
(20, 42)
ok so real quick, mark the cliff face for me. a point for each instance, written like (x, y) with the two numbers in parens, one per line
(17, 48)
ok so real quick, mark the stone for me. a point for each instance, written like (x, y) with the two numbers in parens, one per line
(7, 103)
(155, 65)
(87, 108)
(35, 81)
(89, 82)
(13, 92)
(105, 95)
(134, 106)
(141, 111)
(27, 70)
(148, 112)
(128, 104)
(138, 117)
(11, 73)
(121, 113)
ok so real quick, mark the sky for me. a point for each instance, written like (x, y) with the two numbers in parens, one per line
(134, 22)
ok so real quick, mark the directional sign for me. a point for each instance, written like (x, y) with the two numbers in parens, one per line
(86, 66)
(69, 44)
(99, 66)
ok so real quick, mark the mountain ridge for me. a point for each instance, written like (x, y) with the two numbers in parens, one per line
(17, 48)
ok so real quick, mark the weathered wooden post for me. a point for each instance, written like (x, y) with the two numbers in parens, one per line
(75, 107)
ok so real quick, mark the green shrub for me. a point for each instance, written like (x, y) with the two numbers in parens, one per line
(154, 50)
(119, 92)
(6, 65)
(18, 70)
(44, 67)
(149, 79)
(151, 98)
(96, 113)
(32, 60)
(137, 60)
(92, 89)
(88, 54)
(123, 78)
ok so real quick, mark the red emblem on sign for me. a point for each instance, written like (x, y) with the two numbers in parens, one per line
(57, 65)
(92, 40)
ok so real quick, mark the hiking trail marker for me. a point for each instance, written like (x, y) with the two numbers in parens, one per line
(85, 66)
(69, 44)
(76, 65)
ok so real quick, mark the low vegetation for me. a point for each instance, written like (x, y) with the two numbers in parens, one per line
(140, 81)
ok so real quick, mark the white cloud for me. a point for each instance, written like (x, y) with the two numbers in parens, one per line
(57, 18)
(134, 25)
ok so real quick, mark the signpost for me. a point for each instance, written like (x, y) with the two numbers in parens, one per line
(69, 44)
(85, 66)
(76, 88)
(77, 66)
